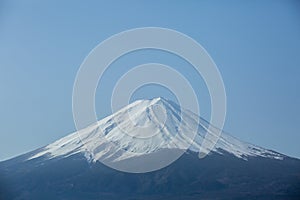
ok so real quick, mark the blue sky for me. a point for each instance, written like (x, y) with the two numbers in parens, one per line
(255, 45)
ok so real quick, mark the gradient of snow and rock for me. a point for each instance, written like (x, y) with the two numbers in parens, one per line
(144, 127)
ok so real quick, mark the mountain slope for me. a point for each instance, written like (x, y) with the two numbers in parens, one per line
(214, 177)
(72, 167)
(144, 127)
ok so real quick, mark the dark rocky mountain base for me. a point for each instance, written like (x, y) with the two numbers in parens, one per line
(214, 177)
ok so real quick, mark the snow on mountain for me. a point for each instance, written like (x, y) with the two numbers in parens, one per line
(144, 127)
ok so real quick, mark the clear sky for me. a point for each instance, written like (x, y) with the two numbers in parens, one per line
(255, 44)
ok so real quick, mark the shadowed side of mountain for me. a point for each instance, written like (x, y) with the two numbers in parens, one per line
(214, 177)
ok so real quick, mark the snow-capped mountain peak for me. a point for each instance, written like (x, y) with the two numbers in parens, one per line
(144, 127)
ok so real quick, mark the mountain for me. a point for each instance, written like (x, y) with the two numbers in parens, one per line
(131, 127)
(147, 136)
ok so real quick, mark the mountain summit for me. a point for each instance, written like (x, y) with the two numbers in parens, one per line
(81, 166)
(144, 127)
